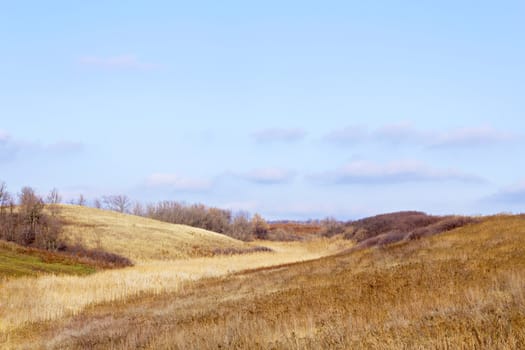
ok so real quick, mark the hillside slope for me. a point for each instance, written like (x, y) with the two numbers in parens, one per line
(17, 261)
(140, 238)
(462, 289)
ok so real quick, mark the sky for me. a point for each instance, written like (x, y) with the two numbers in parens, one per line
(292, 109)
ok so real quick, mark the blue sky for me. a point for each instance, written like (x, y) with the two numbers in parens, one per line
(294, 109)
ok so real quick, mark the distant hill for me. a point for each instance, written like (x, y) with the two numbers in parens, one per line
(139, 238)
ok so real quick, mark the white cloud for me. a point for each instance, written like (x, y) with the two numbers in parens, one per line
(363, 172)
(347, 135)
(65, 146)
(269, 176)
(12, 148)
(406, 133)
(514, 194)
(176, 182)
(401, 133)
(279, 135)
(4, 136)
(471, 137)
(117, 62)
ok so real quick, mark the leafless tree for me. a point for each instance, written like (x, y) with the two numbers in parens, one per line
(97, 203)
(53, 197)
(241, 227)
(5, 197)
(81, 200)
(31, 206)
(119, 203)
(259, 226)
(138, 209)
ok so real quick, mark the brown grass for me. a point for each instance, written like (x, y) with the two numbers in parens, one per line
(296, 228)
(49, 298)
(139, 238)
(460, 290)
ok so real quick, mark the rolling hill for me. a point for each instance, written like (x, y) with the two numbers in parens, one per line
(140, 238)
(461, 289)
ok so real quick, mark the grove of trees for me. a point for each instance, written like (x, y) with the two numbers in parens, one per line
(23, 220)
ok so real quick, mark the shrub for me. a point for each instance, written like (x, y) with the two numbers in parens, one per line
(280, 234)
(97, 256)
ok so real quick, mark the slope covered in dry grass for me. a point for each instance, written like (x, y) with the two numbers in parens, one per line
(140, 238)
(49, 298)
(462, 289)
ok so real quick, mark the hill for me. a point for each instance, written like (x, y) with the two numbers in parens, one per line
(17, 261)
(460, 289)
(140, 238)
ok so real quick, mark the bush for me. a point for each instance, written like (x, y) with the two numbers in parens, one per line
(331, 227)
(280, 234)
(443, 224)
(401, 221)
(98, 257)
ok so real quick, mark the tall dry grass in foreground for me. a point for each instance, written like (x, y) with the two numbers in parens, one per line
(460, 290)
(30, 300)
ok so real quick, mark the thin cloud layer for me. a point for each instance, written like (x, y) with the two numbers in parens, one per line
(347, 135)
(176, 182)
(472, 137)
(407, 134)
(66, 147)
(117, 62)
(8, 149)
(11, 148)
(269, 176)
(363, 172)
(279, 135)
(511, 195)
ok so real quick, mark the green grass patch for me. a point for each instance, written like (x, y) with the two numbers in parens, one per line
(17, 261)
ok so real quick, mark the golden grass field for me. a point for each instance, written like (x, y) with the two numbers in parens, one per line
(49, 297)
(464, 289)
(139, 238)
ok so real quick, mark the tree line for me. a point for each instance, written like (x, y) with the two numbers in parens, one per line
(31, 225)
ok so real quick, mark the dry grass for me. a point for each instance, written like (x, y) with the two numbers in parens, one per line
(47, 298)
(460, 290)
(139, 238)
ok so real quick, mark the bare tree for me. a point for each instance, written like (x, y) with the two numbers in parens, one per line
(5, 197)
(241, 227)
(53, 197)
(97, 203)
(120, 203)
(138, 209)
(81, 200)
(31, 206)
(260, 227)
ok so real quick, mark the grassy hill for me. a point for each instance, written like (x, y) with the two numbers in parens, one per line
(461, 289)
(140, 238)
(17, 261)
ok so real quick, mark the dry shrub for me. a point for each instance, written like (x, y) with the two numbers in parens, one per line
(283, 235)
(404, 226)
(446, 224)
(331, 227)
(236, 251)
(405, 221)
(97, 256)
